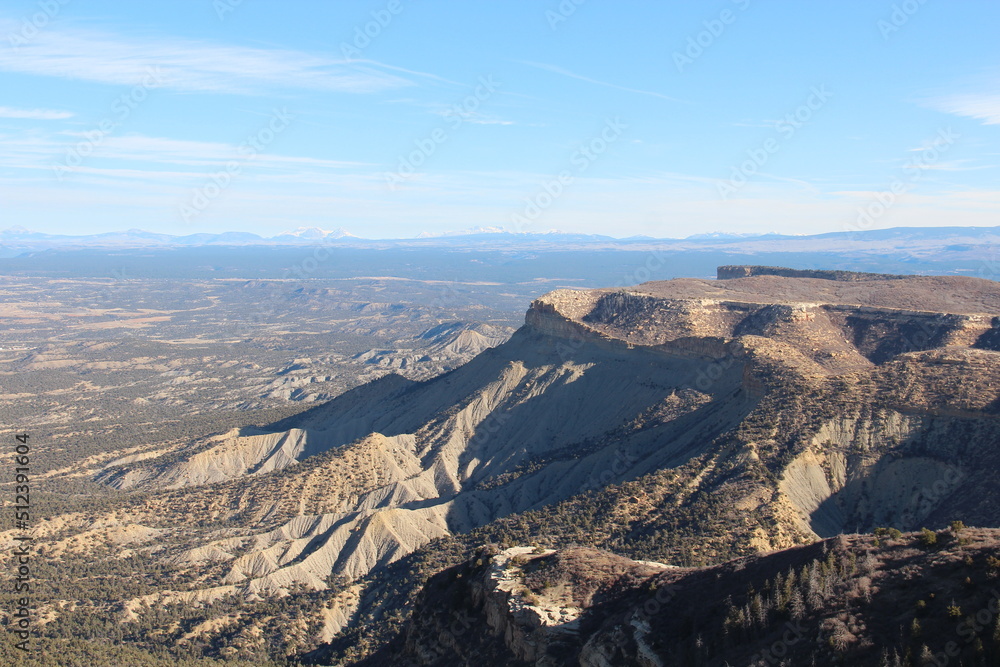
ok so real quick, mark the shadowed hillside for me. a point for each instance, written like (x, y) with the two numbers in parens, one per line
(686, 422)
(900, 599)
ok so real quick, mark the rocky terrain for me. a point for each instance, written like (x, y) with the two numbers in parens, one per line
(685, 422)
(925, 598)
(440, 348)
(99, 369)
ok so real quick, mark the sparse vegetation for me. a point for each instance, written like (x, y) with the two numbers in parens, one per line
(855, 611)
(717, 482)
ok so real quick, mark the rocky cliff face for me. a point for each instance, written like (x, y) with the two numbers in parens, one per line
(519, 606)
(711, 418)
(731, 271)
(857, 600)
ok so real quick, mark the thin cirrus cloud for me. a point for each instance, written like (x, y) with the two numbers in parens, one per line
(473, 117)
(144, 157)
(197, 153)
(194, 66)
(984, 107)
(564, 72)
(35, 114)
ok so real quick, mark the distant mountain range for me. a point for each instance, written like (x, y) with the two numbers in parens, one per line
(19, 237)
(17, 240)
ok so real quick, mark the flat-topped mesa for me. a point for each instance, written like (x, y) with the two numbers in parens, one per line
(840, 320)
(733, 271)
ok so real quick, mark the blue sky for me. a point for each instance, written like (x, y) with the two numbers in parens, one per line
(393, 118)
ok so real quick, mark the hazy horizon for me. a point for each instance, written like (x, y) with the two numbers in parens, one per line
(390, 120)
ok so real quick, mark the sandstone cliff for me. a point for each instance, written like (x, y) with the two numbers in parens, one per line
(705, 418)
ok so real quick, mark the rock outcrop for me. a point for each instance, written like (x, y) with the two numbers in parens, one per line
(735, 271)
(859, 600)
(813, 405)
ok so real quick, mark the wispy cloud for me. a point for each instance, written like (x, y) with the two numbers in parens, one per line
(30, 150)
(195, 66)
(198, 153)
(806, 185)
(139, 156)
(750, 123)
(488, 121)
(984, 107)
(34, 114)
(473, 117)
(952, 165)
(564, 72)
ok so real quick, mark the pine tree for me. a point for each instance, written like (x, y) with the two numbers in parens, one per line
(815, 587)
(759, 611)
(797, 606)
(779, 601)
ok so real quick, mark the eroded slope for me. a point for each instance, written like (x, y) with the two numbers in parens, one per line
(705, 417)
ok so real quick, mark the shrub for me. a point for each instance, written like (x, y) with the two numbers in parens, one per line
(928, 537)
